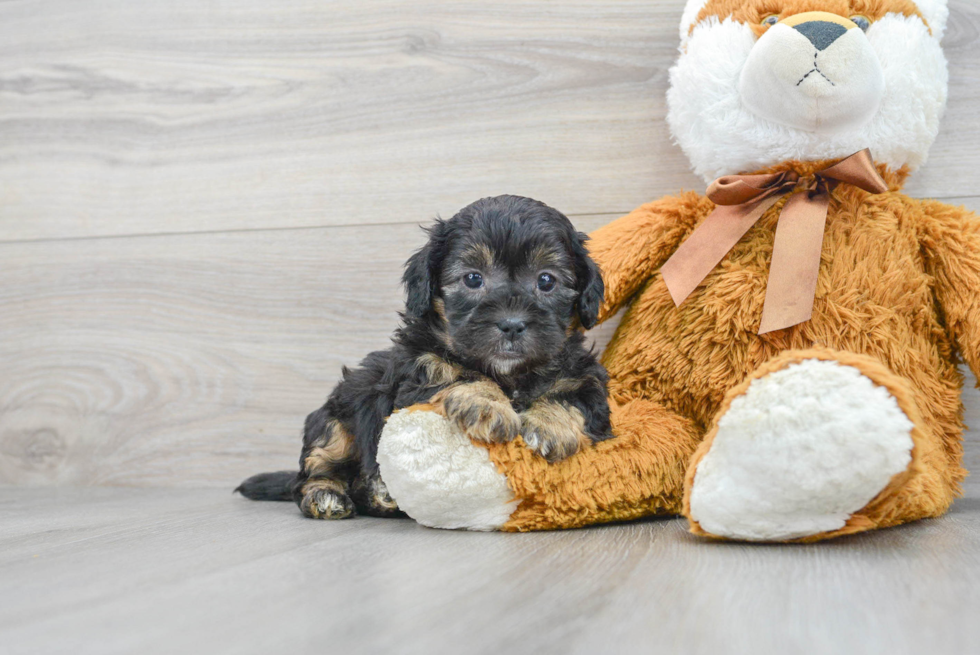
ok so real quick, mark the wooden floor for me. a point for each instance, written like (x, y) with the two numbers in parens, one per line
(201, 571)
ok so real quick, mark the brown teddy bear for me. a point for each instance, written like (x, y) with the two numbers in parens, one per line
(786, 367)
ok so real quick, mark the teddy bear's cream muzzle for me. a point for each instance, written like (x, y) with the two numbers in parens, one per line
(813, 71)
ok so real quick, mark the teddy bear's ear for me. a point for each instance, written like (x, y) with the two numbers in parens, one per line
(935, 12)
(690, 15)
(421, 275)
(590, 286)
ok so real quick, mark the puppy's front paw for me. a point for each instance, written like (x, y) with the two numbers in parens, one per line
(482, 411)
(553, 431)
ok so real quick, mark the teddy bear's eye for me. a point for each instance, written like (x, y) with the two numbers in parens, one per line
(861, 21)
(770, 20)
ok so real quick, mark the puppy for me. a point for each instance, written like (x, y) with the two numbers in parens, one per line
(490, 336)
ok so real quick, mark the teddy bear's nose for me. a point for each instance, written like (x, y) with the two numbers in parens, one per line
(821, 33)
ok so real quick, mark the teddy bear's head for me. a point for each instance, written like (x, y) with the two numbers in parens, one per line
(759, 82)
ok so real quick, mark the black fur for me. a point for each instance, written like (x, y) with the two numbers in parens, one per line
(268, 486)
(459, 328)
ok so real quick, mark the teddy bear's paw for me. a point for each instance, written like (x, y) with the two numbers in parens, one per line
(439, 477)
(553, 431)
(326, 500)
(799, 452)
(482, 411)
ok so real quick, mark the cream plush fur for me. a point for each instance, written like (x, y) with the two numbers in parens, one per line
(725, 121)
(799, 452)
(438, 477)
(834, 90)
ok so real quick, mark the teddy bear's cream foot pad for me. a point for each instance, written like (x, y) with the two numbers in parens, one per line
(438, 478)
(800, 451)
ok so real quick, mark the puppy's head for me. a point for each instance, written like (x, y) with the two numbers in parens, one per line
(505, 280)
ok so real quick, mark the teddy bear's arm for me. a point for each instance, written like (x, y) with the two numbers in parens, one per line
(950, 241)
(631, 249)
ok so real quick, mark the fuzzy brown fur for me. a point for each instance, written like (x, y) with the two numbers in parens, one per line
(898, 296)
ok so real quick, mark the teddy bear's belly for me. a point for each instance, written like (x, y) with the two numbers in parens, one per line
(873, 297)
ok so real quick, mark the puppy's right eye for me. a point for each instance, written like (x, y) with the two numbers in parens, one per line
(473, 280)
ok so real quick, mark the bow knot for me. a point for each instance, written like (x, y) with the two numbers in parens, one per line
(740, 201)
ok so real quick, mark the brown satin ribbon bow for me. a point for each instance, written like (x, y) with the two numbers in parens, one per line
(741, 201)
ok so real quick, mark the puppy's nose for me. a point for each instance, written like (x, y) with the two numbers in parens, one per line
(821, 33)
(512, 327)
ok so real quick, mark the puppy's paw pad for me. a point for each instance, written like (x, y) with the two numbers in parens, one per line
(327, 504)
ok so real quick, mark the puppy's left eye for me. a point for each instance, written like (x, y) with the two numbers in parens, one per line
(546, 282)
(473, 280)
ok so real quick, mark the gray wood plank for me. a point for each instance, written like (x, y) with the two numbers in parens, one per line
(139, 118)
(163, 571)
(167, 360)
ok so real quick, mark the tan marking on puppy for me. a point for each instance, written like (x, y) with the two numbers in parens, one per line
(438, 370)
(326, 499)
(337, 447)
(566, 385)
(478, 255)
(439, 307)
(545, 257)
(554, 430)
(481, 410)
(324, 484)
(379, 495)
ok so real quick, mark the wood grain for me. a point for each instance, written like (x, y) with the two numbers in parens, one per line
(145, 118)
(204, 208)
(167, 571)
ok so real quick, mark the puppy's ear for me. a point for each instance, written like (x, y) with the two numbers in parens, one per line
(421, 278)
(590, 286)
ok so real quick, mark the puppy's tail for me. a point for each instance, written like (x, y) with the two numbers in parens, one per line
(269, 486)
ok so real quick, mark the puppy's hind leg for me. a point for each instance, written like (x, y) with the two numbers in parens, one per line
(328, 464)
(371, 496)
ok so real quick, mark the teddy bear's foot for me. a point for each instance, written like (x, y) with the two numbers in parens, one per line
(797, 451)
(438, 477)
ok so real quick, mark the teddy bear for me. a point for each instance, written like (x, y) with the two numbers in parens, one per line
(785, 368)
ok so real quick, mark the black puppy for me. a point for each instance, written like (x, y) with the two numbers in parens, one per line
(490, 334)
